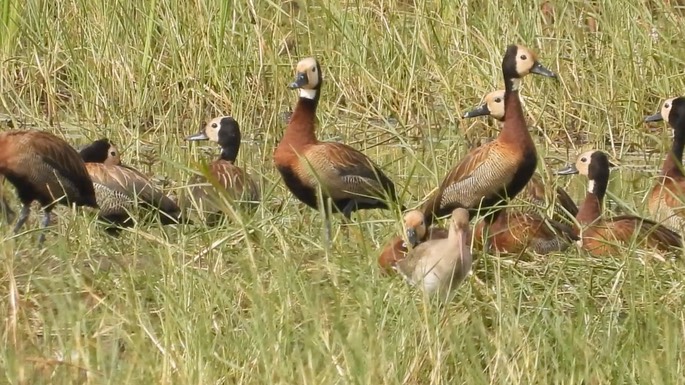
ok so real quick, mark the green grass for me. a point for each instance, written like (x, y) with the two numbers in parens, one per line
(259, 301)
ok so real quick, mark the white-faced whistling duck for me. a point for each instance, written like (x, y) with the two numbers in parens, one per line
(535, 191)
(416, 232)
(603, 236)
(438, 266)
(223, 172)
(346, 176)
(119, 189)
(45, 168)
(500, 169)
(667, 198)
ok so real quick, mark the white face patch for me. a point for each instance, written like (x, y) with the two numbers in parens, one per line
(666, 109)
(515, 84)
(213, 132)
(591, 186)
(308, 94)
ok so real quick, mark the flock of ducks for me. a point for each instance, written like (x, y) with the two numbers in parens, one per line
(332, 175)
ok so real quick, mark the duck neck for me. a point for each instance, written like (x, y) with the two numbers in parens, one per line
(514, 128)
(302, 124)
(591, 208)
(229, 153)
(673, 166)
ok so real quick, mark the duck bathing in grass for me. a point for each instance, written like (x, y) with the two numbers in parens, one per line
(44, 168)
(602, 236)
(343, 175)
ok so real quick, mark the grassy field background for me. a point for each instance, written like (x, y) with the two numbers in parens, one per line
(259, 301)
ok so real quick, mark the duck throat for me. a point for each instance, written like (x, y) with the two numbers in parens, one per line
(229, 153)
(513, 84)
(301, 129)
(309, 94)
(591, 209)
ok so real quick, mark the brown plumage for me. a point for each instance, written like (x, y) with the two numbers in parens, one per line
(609, 236)
(438, 266)
(44, 168)
(667, 198)
(535, 193)
(346, 176)
(223, 173)
(120, 189)
(498, 170)
(515, 231)
(416, 232)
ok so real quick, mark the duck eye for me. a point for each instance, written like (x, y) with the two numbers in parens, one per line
(523, 57)
(667, 105)
(498, 100)
(583, 160)
(214, 125)
(113, 153)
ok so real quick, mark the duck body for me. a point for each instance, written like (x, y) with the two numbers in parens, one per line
(223, 173)
(516, 231)
(120, 189)
(343, 174)
(667, 202)
(667, 198)
(438, 266)
(496, 171)
(230, 178)
(610, 236)
(484, 179)
(44, 168)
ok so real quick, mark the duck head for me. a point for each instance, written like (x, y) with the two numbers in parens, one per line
(101, 151)
(493, 105)
(308, 78)
(223, 130)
